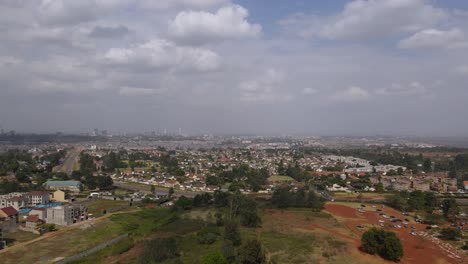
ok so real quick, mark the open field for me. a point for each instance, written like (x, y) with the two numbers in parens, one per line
(279, 178)
(97, 206)
(19, 237)
(288, 236)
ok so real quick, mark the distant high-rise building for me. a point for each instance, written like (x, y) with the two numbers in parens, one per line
(95, 132)
(104, 133)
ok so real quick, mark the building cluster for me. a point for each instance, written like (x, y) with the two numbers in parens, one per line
(29, 211)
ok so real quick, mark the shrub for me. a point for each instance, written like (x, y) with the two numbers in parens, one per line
(381, 242)
(213, 258)
(158, 250)
(252, 252)
(207, 236)
(450, 234)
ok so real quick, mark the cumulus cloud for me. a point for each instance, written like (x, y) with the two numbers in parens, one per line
(351, 94)
(160, 53)
(368, 19)
(66, 12)
(434, 38)
(167, 4)
(229, 22)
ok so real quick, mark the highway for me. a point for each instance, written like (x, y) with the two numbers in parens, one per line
(73, 155)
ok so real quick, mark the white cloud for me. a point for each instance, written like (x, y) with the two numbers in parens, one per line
(166, 4)
(229, 22)
(433, 38)
(65, 12)
(160, 53)
(265, 89)
(308, 91)
(414, 88)
(351, 94)
(367, 19)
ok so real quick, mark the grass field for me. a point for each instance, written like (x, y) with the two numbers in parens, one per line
(97, 206)
(288, 236)
(280, 178)
(19, 237)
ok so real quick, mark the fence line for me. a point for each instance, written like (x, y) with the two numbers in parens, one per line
(92, 250)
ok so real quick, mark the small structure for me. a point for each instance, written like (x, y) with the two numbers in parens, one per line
(73, 186)
(33, 224)
(59, 196)
(8, 219)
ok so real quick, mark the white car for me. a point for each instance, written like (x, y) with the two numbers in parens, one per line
(381, 221)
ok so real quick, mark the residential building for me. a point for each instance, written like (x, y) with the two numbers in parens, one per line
(33, 224)
(8, 219)
(58, 196)
(66, 214)
(38, 197)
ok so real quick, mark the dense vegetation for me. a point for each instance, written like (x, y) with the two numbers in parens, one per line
(284, 197)
(384, 243)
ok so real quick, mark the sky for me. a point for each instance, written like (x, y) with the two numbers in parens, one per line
(361, 67)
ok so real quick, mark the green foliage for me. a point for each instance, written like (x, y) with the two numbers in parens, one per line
(112, 161)
(252, 252)
(221, 199)
(207, 236)
(202, 200)
(231, 232)
(183, 203)
(411, 201)
(48, 228)
(229, 252)
(158, 250)
(381, 242)
(248, 213)
(255, 178)
(284, 197)
(213, 258)
(450, 234)
(450, 208)
(104, 182)
(87, 166)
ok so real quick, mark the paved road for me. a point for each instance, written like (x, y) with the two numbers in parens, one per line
(73, 155)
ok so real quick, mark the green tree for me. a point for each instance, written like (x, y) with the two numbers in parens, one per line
(252, 252)
(381, 242)
(183, 203)
(231, 232)
(248, 213)
(450, 234)
(450, 208)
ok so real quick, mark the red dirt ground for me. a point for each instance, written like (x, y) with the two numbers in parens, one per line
(416, 249)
